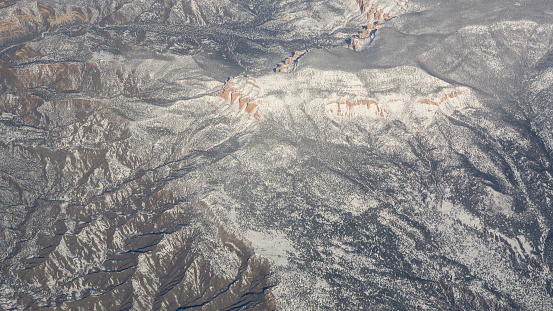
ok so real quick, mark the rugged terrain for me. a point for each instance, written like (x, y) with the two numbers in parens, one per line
(290, 155)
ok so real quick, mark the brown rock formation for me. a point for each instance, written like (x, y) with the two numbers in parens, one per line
(427, 101)
(25, 107)
(165, 11)
(36, 19)
(376, 18)
(345, 107)
(230, 92)
(289, 63)
(22, 52)
(355, 44)
(61, 76)
(443, 98)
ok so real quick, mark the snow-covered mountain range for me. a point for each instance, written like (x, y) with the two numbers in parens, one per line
(276, 155)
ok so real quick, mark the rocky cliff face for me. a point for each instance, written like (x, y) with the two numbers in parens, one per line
(290, 63)
(377, 14)
(241, 91)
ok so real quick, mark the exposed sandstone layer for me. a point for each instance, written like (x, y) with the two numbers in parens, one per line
(377, 14)
(290, 63)
(239, 91)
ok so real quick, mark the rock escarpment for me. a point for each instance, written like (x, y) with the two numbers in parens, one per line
(241, 91)
(377, 14)
(290, 63)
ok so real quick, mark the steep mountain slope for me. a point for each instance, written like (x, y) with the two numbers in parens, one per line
(396, 191)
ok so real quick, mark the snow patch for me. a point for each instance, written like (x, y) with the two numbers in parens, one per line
(271, 244)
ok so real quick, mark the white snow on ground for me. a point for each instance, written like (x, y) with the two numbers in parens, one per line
(271, 244)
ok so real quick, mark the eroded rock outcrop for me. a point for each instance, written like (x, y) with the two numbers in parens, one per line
(35, 19)
(426, 108)
(241, 91)
(356, 107)
(290, 63)
(376, 14)
(442, 99)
